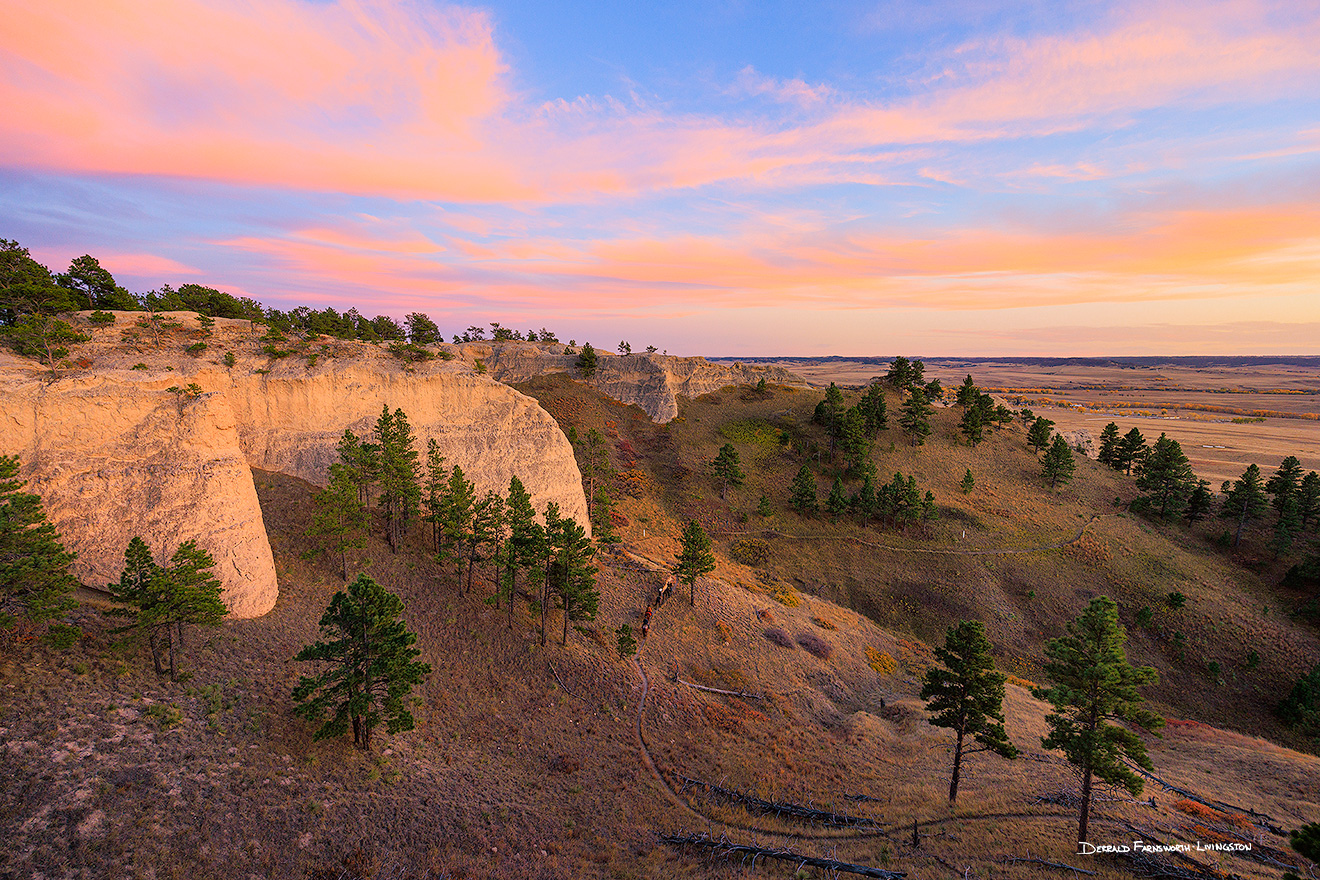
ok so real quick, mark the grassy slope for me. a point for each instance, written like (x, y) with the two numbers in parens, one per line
(508, 775)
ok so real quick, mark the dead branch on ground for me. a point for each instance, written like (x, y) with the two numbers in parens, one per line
(725, 848)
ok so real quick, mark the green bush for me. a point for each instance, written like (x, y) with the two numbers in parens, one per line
(196, 349)
(1176, 600)
(101, 319)
(750, 551)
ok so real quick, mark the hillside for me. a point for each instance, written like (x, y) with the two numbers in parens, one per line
(548, 762)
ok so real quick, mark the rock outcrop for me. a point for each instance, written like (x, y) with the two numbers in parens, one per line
(652, 381)
(119, 445)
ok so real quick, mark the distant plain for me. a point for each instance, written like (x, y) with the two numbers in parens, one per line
(1194, 401)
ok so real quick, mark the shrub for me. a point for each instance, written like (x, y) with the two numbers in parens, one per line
(1144, 616)
(750, 551)
(229, 359)
(196, 349)
(1301, 708)
(823, 623)
(445, 355)
(1176, 600)
(410, 352)
(139, 366)
(815, 645)
(786, 596)
(881, 661)
(100, 318)
(779, 637)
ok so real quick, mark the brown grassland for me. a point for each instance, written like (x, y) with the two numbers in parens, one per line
(537, 762)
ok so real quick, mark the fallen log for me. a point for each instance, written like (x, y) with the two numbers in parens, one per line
(725, 848)
(1266, 822)
(779, 810)
(702, 687)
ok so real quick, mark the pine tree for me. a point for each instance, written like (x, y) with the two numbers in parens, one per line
(339, 514)
(1131, 451)
(160, 601)
(874, 409)
(854, 439)
(1308, 498)
(968, 392)
(34, 566)
(372, 668)
(837, 503)
(726, 470)
(575, 576)
(433, 492)
(525, 538)
(1058, 464)
(900, 373)
(1093, 684)
(487, 529)
(456, 520)
(586, 361)
(1244, 500)
(1038, 435)
(803, 498)
(1199, 503)
(695, 558)
(763, 507)
(1285, 482)
(967, 696)
(1109, 443)
(1166, 475)
(364, 461)
(915, 420)
(971, 426)
(1301, 708)
(1287, 527)
(400, 492)
(968, 482)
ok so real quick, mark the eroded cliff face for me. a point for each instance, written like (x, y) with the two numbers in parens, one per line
(113, 452)
(652, 381)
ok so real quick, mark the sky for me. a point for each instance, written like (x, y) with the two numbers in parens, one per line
(974, 178)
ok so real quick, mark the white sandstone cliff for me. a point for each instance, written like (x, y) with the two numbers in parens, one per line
(113, 452)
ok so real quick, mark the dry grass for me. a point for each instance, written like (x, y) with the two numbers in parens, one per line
(510, 775)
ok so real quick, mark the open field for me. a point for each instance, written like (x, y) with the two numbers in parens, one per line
(1194, 404)
(546, 762)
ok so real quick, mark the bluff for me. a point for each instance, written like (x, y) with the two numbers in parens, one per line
(652, 381)
(118, 444)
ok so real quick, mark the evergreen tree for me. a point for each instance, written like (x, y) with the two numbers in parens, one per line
(915, 420)
(400, 492)
(525, 538)
(1285, 482)
(971, 425)
(1308, 498)
(363, 459)
(1038, 435)
(837, 503)
(422, 330)
(1093, 684)
(487, 529)
(433, 492)
(829, 413)
(1058, 464)
(1109, 445)
(803, 498)
(43, 337)
(602, 519)
(968, 482)
(863, 503)
(1301, 708)
(1131, 451)
(1199, 503)
(456, 521)
(967, 696)
(595, 467)
(695, 558)
(586, 361)
(626, 641)
(27, 287)
(160, 601)
(1244, 500)
(339, 514)
(1166, 476)
(934, 390)
(372, 669)
(854, 439)
(574, 575)
(726, 470)
(968, 392)
(1286, 527)
(34, 566)
(874, 409)
(900, 373)
(1027, 416)
(763, 507)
